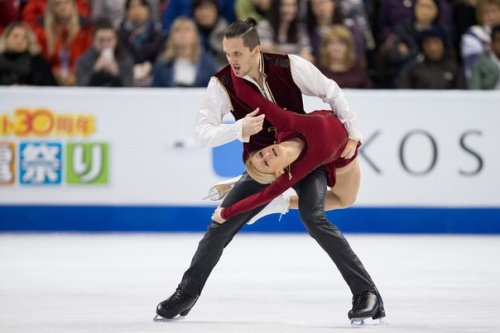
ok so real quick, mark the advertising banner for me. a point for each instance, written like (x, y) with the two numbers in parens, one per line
(99, 148)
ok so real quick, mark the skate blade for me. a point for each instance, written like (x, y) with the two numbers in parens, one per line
(160, 319)
(368, 322)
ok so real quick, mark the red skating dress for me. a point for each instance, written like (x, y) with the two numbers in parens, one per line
(323, 135)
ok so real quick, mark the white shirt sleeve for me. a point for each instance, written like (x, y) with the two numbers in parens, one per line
(312, 82)
(209, 130)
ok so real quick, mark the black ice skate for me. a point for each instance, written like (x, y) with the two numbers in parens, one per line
(180, 303)
(366, 305)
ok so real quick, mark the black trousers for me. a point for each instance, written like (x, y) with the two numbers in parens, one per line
(312, 192)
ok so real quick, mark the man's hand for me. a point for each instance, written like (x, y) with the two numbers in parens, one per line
(216, 216)
(350, 149)
(252, 124)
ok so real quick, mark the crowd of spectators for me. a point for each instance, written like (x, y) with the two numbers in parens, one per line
(361, 44)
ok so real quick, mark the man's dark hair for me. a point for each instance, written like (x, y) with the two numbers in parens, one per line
(143, 2)
(246, 30)
(101, 23)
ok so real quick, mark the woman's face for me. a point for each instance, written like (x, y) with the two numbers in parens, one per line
(323, 9)
(288, 10)
(184, 35)
(337, 49)
(17, 40)
(64, 9)
(491, 15)
(270, 160)
(206, 14)
(137, 13)
(105, 39)
(426, 11)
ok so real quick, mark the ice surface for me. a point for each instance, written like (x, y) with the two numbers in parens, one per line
(264, 283)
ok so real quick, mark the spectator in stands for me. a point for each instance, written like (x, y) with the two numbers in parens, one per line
(184, 62)
(34, 9)
(356, 10)
(114, 10)
(338, 59)
(106, 63)
(177, 8)
(140, 37)
(64, 35)
(252, 8)
(477, 38)
(20, 60)
(321, 14)
(405, 45)
(434, 69)
(211, 28)
(282, 32)
(390, 13)
(9, 12)
(486, 69)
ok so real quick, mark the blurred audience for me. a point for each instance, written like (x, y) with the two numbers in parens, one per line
(356, 10)
(34, 9)
(211, 28)
(338, 59)
(177, 8)
(321, 14)
(106, 63)
(476, 40)
(64, 35)
(20, 60)
(114, 10)
(434, 69)
(184, 62)
(405, 46)
(251, 8)
(464, 16)
(390, 13)
(486, 68)
(142, 39)
(282, 32)
(9, 12)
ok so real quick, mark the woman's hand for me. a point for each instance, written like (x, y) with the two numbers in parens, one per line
(350, 149)
(216, 217)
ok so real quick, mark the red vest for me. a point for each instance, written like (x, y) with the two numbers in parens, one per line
(284, 92)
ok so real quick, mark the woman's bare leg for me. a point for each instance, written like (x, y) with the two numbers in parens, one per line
(345, 191)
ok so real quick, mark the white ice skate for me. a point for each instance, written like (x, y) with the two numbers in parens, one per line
(279, 205)
(219, 191)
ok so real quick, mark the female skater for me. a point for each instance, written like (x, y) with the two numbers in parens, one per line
(304, 143)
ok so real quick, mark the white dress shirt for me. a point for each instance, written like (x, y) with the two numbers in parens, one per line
(211, 132)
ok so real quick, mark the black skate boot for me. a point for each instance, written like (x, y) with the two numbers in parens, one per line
(365, 305)
(180, 303)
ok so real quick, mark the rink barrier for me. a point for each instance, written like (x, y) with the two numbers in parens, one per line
(401, 220)
(77, 159)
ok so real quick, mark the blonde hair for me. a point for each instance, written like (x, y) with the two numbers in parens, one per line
(33, 47)
(171, 49)
(337, 31)
(259, 177)
(50, 25)
(480, 7)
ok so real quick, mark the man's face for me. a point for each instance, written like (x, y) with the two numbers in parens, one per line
(105, 39)
(433, 48)
(241, 59)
